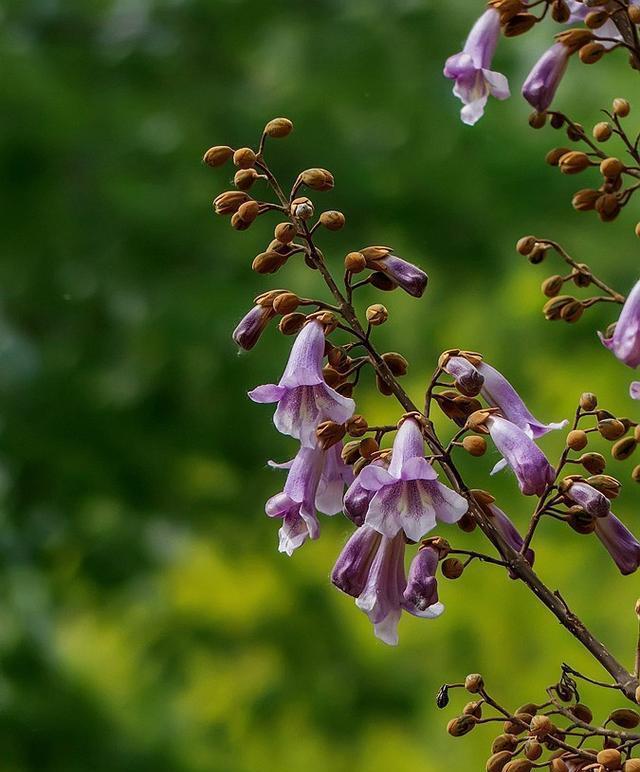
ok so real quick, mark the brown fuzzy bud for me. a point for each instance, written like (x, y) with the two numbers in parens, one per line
(396, 363)
(518, 765)
(474, 445)
(332, 220)
(621, 107)
(610, 758)
(592, 53)
(368, 446)
(317, 179)
(238, 223)
(467, 523)
(329, 433)
(560, 11)
(611, 428)
(606, 484)
(635, 474)
(632, 765)
(355, 262)
(571, 312)
(594, 463)
(541, 726)
(218, 155)
(575, 38)
(504, 742)
(244, 158)
(474, 683)
(497, 762)
(302, 208)
(377, 314)
(588, 401)
(582, 276)
(552, 286)
(553, 156)
(278, 127)
(268, 262)
(229, 201)
(244, 178)
(624, 448)
(585, 200)
(357, 425)
(553, 308)
(537, 120)
(351, 452)
(285, 232)
(611, 167)
(285, 303)
(602, 131)
(519, 24)
(634, 15)
(625, 717)
(532, 750)
(575, 132)
(558, 765)
(573, 162)
(526, 244)
(291, 324)
(452, 568)
(473, 709)
(582, 712)
(636, 433)
(460, 726)
(577, 439)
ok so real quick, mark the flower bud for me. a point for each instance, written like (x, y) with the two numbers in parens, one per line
(238, 223)
(537, 119)
(268, 262)
(497, 762)
(291, 324)
(558, 765)
(460, 726)
(285, 232)
(582, 712)
(519, 24)
(368, 446)
(452, 568)
(251, 326)
(595, 19)
(526, 244)
(377, 314)
(588, 401)
(244, 158)
(504, 742)
(574, 162)
(218, 155)
(229, 201)
(581, 276)
(538, 254)
(575, 38)
(632, 765)
(332, 220)
(602, 131)
(560, 11)
(285, 303)
(553, 285)
(571, 312)
(329, 433)
(594, 463)
(541, 726)
(625, 717)
(635, 474)
(634, 14)
(278, 127)
(474, 683)
(553, 156)
(317, 179)
(577, 439)
(553, 308)
(624, 448)
(611, 428)
(611, 167)
(592, 53)
(244, 178)
(621, 108)
(585, 200)
(396, 363)
(519, 765)
(610, 758)
(532, 750)
(474, 445)
(302, 208)
(605, 484)
(355, 262)
(356, 425)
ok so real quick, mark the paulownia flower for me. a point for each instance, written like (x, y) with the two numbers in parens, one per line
(474, 80)
(252, 325)
(591, 500)
(357, 499)
(469, 380)
(542, 82)
(304, 399)
(316, 481)
(503, 524)
(620, 543)
(625, 341)
(407, 496)
(531, 467)
(370, 568)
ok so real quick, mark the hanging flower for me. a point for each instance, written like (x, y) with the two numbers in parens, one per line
(412, 279)
(520, 452)
(252, 325)
(625, 341)
(304, 399)
(357, 499)
(420, 597)
(505, 527)
(408, 496)
(468, 379)
(542, 82)
(586, 496)
(474, 81)
(620, 543)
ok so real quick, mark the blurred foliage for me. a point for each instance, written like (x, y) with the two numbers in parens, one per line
(146, 619)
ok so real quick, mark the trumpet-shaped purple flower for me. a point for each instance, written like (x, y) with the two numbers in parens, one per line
(509, 533)
(498, 392)
(407, 496)
(370, 568)
(521, 453)
(586, 496)
(620, 543)
(316, 481)
(412, 279)
(625, 341)
(304, 399)
(252, 325)
(357, 499)
(542, 82)
(634, 389)
(474, 81)
(469, 380)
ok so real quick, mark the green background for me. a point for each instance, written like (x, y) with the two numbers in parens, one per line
(147, 621)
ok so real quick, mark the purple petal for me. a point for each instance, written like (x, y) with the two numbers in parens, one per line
(420, 597)
(620, 543)
(542, 82)
(592, 501)
(267, 393)
(525, 458)
(625, 341)
(449, 505)
(408, 444)
(634, 389)
(351, 570)
(304, 367)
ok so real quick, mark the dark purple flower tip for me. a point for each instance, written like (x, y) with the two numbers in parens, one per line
(634, 390)
(586, 496)
(251, 326)
(542, 82)
(468, 380)
(619, 542)
(509, 533)
(351, 570)
(420, 597)
(412, 279)
(530, 465)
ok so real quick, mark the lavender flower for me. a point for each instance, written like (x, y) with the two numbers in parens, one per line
(634, 390)
(357, 499)
(542, 82)
(407, 496)
(625, 341)
(586, 496)
(303, 397)
(502, 523)
(521, 453)
(620, 543)
(474, 81)
(412, 279)
(420, 597)
(252, 325)
(498, 392)
(316, 481)
(468, 380)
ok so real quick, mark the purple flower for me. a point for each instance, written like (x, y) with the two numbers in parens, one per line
(542, 82)
(521, 453)
(407, 496)
(474, 81)
(316, 481)
(620, 543)
(625, 341)
(509, 533)
(251, 326)
(420, 597)
(468, 380)
(498, 392)
(586, 496)
(412, 279)
(634, 390)
(357, 499)
(304, 399)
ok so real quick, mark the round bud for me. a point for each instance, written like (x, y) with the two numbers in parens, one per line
(582, 712)
(553, 156)
(285, 232)
(249, 211)
(610, 758)
(585, 200)
(571, 312)
(537, 120)
(278, 127)
(473, 709)
(625, 717)
(624, 448)
(268, 262)
(238, 223)
(302, 208)
(560, 11)
(368, 446)
(608, 207)
(594, 463)
(291, 324)
(504, 742)
(329, 433)
(332, 220)
(637, 695)
(574, 162)
(577, 439)
(377, 314)
(537, 254)
(452, 568)
(532, 750)
(558, 765)
(541, 726)
(218, 155)
(596, 19)
(355, 262)
(244, 178)
(286, 303)
(460, 726)
(244, 158)
(518, 765)
(611, 428)
(317, 179)
(635, 474)
(631, 765)
(592, 53)
(525, 245)
(602, 131)
(474, 683)
(553, 285)
(331, 376)
(575, 131)
(396, 363)
(475, 445)
(588, 401)
(621, 107)
(497, 761)
(357, 426)
(611, 167)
